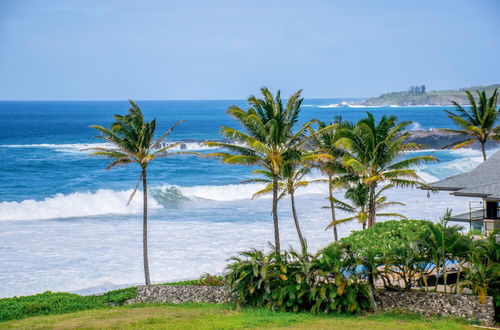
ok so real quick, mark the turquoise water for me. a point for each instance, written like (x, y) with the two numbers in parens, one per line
(65, 225)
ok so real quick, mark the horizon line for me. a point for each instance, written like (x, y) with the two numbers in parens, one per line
(147, 100)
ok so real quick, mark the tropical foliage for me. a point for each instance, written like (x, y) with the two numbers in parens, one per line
(132, 140)
(292, 281)
(417, 253)
(337, 176)
(375, 152)
(268, 140)
(291, 178)
(357, 204)
(477, 122)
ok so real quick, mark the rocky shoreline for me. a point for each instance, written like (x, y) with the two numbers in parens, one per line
(435, 139)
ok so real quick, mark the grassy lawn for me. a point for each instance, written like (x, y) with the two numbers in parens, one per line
(211, 316)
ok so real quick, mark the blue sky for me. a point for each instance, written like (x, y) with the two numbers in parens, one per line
(227, 49)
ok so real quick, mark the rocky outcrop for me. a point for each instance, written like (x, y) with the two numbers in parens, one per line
(438, 139)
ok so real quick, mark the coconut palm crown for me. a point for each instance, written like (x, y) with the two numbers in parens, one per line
(267, 139)
(477, 123)
(375, 152)
(131, 140)
(357, 204)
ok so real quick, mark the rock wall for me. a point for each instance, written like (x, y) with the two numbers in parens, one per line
(441, 304)
(178, 294)
(426, 303)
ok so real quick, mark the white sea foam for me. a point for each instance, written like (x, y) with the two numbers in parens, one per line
(86, 147)
(96, 253)
(78, 204)
(105, 201)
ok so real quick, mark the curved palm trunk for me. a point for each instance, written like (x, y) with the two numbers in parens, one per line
(297, 226)
(371, 206)
(332, 207)
(275, 215)
(145, 227)
(483, 143)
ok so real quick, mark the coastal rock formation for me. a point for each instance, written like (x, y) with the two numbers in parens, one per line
(423, 97)
(435, 139)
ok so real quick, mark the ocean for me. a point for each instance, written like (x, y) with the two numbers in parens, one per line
(65, 225)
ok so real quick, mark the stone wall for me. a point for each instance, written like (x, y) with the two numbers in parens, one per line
(178, 294)
(426, 303)
(431, 304)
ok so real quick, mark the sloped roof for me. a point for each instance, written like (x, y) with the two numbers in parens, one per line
(483, 181)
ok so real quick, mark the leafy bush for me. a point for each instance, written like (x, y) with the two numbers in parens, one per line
(205, 279)
(47, 303)
(297, 282)
(385, 236)
(121, 295)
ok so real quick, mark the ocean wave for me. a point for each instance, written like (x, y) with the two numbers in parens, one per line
(83, 147)
(78, 204)
(105, 201)
(453, 167)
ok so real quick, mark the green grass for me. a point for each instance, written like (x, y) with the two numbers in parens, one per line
(211, 316)
(49, 303)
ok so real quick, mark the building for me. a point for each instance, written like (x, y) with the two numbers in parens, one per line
(482, 183)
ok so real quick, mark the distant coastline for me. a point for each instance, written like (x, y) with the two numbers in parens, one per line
(417, 96)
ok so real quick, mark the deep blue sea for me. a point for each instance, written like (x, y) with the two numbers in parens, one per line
(65, 225)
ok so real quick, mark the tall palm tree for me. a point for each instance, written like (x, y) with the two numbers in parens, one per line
(358, 197)
(132, 140)
(266, 140)
(375, 152)
(477, 123)
(331, 166)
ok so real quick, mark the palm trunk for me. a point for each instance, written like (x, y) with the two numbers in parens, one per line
(483, 143)
(371, 206)
(145, 227)
(275, 215)
(332, 208)
(297, 226)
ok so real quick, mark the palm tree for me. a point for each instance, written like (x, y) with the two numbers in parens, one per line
(331, 166)
(477, 123)
(292, 177)
(358, 196)
(132, 141)
(267, 139)
(374, 152)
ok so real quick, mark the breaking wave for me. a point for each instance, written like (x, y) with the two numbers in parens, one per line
(78, 204)
(82, 147)
(106, 201)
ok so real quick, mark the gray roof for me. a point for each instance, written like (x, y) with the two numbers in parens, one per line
(483, 181)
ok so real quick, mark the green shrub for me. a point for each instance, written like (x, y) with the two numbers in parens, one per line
(297, 282)
(385, 236)
(47, 303)
(121, 295)
(205, 279)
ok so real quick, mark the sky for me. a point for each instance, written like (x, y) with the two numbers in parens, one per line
(228, 49)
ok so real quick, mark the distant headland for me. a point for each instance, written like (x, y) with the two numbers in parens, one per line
(418, 95)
